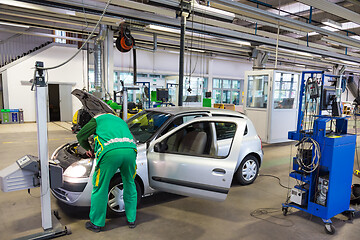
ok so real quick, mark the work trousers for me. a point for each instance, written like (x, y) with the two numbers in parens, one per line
(125, 160)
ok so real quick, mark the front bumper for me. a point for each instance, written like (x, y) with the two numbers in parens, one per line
(75, 194)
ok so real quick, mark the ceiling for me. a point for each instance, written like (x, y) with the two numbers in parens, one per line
(292, 32)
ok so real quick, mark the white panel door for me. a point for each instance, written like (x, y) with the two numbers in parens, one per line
(65, 102)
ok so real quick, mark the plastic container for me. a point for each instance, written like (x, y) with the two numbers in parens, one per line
(5, 116)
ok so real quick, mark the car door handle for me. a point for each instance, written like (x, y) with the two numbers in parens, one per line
(218, 171)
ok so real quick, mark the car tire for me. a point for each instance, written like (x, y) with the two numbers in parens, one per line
(115, 206)
(248, 170)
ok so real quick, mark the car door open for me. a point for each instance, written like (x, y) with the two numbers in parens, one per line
(183, 161)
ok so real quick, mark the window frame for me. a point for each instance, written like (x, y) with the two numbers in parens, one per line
(230, 90)
(202, 155)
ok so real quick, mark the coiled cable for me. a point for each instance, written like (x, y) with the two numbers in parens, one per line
(312, 166)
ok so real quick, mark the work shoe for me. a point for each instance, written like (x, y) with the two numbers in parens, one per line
(89, 225)
(131, 224)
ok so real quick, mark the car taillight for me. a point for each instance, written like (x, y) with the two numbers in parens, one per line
(260, 141)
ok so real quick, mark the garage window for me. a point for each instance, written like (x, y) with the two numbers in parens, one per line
(257, 94)
(228, 91)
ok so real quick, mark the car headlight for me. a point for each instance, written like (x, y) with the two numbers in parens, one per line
(78, 169)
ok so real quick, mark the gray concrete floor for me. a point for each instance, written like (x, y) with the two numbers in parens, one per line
(168, 216)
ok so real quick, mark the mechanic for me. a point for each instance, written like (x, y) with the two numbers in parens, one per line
(115, 149)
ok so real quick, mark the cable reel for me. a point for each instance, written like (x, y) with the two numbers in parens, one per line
(125, 42)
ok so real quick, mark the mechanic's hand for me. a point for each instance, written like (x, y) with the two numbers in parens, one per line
(90, 153)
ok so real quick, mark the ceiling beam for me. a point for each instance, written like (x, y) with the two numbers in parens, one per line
(334, 9)
(256, 13)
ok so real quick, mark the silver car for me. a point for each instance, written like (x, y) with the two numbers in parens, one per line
(182, 150)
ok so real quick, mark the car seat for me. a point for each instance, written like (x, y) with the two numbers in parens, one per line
(193, 142)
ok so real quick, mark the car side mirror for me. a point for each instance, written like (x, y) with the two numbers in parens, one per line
(160, 147)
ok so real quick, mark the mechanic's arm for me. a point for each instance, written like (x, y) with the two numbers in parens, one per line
(85, 133)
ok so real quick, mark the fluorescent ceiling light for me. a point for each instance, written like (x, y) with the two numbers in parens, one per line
(176, 31)
(291, 8)
(332, 23)
(348, 62)
(195, 50)
(212, 11)
(355, 37)
(161, 28)
(36, 7)
(297, 52)
(344, 26)
(237, 42)
(13, 25)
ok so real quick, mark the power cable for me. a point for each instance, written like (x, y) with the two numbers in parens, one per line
(82, 46)
(267, 211)
(273, 176)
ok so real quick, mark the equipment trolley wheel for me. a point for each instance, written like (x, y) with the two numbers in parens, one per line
(68, 230)
(284, 210)
(329, 228)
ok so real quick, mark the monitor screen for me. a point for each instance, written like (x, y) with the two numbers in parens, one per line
(328, 95)
(162, 94)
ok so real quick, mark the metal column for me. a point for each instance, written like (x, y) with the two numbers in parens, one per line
(181, 63)
(41, 120)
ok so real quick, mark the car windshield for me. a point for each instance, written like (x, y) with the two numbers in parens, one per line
(145, 124)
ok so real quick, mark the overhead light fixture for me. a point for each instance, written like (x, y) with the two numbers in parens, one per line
(356, 37)
(161, 28)
(176, 31)
(195, 50)
(212, 11)
(36, 7)
(332, 23)
(335, 43)
(349, 63)
(298, 52)
(14, 25)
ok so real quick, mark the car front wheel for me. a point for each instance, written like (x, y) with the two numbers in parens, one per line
(116, 205)
(248, 170)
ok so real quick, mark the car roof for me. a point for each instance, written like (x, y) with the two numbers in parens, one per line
(181, 110)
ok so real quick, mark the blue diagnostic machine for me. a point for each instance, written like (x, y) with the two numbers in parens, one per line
(323, 165)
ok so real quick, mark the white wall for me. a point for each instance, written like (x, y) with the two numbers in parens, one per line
(160, 62)
(168, 62)
(21, 96)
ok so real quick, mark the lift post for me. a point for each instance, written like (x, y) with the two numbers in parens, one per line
(41, 119)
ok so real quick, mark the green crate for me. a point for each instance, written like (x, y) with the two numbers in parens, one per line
(207, 102)
(5, 117)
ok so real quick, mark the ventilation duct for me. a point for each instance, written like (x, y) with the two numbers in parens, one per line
(98, 60)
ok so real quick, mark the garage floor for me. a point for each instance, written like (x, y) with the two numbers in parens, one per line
(168, 216)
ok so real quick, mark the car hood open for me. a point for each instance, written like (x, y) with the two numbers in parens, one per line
(92, 104)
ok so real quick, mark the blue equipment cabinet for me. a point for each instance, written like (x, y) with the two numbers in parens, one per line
(326, 190)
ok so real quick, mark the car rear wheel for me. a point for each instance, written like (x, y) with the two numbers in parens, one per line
(116, 205)
(248, 170)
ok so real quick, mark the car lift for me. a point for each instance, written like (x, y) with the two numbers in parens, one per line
(323, 191)
(41, 120)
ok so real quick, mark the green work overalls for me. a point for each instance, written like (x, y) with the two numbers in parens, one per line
(114, 149)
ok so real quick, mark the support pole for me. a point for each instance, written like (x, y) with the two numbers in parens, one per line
(125, 104)
(41, 121)
(181, 63)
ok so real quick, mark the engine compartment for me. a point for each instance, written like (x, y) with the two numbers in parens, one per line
(70, 153)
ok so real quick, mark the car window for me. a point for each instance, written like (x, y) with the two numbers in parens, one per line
(198, 140)
(145, 124)
(226, 130)
(180, 120)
